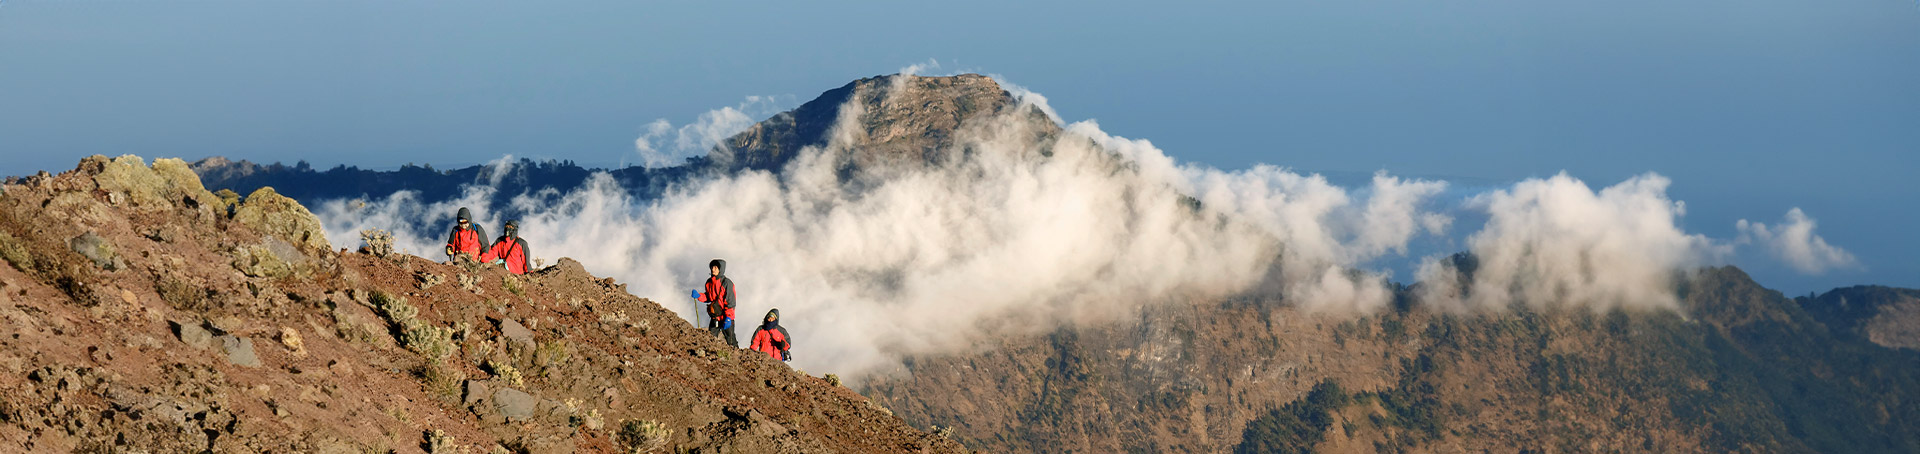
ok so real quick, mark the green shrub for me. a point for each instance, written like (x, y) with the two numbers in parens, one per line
(442, 379)
(418, 336)
(552, 353)
(433, 342)
(354, 328)
(506, 372)
(378, 242)
(441, 443)
(396, 310)
(513, 286)
(640, 436)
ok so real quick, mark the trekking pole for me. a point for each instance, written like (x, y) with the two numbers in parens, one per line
(696, 304)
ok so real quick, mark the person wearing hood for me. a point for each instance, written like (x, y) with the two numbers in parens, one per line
(772, 338)
(719, 299)
(466, 238)
(511, 249)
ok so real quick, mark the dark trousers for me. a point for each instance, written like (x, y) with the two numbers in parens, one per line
(725, 334)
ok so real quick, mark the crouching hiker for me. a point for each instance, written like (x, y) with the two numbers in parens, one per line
(510, 249)
(466, 239)
(772, 339)
(719, 299)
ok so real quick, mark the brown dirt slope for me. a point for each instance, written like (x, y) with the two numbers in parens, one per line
(144, 313)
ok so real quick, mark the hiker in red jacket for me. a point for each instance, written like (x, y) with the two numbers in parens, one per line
(719, 299)
(772, 339)
(510, 248)
(466, 238)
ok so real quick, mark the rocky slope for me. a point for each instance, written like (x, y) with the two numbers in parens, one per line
(147, 314)
(1741, 369)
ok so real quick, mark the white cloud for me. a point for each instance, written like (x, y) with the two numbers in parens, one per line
(662, 145)
(1556, 242)
(1794, 242)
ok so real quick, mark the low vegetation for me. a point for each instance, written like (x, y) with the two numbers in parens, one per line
(640, 436)
(1297, 426)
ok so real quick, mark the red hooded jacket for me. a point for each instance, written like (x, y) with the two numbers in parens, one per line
(772, 338)
(511, 249)
(719, 291)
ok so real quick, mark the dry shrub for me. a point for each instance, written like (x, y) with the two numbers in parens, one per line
(442, 379)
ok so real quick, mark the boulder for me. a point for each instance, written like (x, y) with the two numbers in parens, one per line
(514, 404)
(239, 351)
(193, 335)
(515, 332)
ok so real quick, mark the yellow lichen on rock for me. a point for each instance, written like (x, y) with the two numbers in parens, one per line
(128, 181)
(128, 176)
(262, 260)
(182, 182)
(270, 213)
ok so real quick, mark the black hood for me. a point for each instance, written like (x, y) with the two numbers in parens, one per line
(464, 215)
(719, 263)
(776, 318)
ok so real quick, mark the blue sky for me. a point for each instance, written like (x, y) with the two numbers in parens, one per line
(1752, 107)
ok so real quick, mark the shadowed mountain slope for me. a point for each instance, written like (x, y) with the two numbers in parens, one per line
(1740, 369)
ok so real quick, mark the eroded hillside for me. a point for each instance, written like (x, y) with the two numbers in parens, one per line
(147, 314)
(1740, 369)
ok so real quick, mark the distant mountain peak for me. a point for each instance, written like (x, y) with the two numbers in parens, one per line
(902, 118)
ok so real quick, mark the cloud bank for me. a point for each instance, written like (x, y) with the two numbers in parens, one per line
(1027, 231)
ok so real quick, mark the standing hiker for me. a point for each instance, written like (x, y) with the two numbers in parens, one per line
(719, 299)
(511, 249)
(467, 238)
(772, 338)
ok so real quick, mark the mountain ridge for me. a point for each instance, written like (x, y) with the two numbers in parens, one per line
(146, 313)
